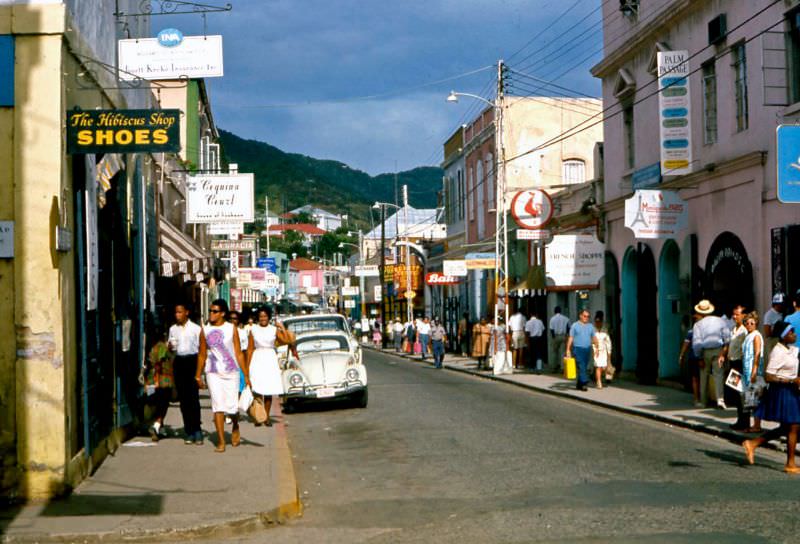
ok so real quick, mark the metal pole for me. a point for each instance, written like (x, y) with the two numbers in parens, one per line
(380, 282)
(361, 277)
(409, 301)
(266, 220)
(501, 231)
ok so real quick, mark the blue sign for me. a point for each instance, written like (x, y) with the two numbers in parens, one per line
(268, 263)
(170, 37)
(6, 70)
(788, 163)
(647, 176)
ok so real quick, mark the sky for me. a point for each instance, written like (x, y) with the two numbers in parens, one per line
(297, 72)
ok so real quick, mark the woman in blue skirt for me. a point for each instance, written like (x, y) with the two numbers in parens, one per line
(781, 402)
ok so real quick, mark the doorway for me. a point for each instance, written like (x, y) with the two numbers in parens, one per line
(729, 275)
(669, 316)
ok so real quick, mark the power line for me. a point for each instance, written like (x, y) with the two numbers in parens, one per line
(547, 83)
(533, 39)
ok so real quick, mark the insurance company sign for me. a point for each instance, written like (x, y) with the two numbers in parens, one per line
(656, 214)
(123, 131)
(219, 198)
(171, 55)
(574, 260)
(674, 105)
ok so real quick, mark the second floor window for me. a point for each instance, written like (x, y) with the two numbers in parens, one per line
(740, 86)
(709, 103)
(793, 44)
(630, 147)
(573, 171)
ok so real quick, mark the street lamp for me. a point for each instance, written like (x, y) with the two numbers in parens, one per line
(409, 301)
(360, 248)
(501, 225)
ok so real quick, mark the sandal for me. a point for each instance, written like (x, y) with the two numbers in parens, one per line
(220, 449)
(236, 438)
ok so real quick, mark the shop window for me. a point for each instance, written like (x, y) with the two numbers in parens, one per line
(709, 103)
(573, 171)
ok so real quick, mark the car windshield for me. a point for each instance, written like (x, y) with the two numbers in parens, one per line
(317, 323)
(322, 343)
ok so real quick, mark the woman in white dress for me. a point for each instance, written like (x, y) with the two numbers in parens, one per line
(220, 355)
(265, 373)
(602, 351)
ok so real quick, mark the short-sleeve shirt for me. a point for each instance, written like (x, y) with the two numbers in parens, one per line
(794, 319)
(559, 323)
(534, 327)
(582, 334)
(783, 362)
(771, 317)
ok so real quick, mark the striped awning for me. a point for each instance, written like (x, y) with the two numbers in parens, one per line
(180, 255)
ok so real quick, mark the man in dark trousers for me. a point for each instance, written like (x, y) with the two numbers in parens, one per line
(184, 340)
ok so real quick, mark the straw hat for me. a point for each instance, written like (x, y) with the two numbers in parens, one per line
(704, 307)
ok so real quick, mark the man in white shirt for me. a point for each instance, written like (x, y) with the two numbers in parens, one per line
(534, 328)
(517, 325)
(397, 329)
(559, 325)
(184, 340)
(424, 335)
(772, 316)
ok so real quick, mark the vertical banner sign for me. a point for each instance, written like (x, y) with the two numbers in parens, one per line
(92, 251)
(674, 113)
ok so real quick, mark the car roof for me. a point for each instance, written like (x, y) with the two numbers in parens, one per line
(314, 317)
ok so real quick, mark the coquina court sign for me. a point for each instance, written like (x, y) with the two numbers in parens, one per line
(123, 131)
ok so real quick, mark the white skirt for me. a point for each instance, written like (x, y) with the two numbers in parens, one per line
(224, 390)
(265, 374)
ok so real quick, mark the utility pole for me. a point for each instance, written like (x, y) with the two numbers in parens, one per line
(381, 278)
(361, 276)
(501, 224)
(266, 220)
(409, 301)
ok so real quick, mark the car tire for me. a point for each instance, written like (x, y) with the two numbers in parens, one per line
(361, 399)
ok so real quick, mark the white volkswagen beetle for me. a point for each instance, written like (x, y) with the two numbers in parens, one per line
(329, 366)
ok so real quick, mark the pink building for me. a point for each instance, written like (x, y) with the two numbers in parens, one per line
(306, 277)
(738, 247)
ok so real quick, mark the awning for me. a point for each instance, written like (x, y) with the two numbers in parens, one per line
(180, 255)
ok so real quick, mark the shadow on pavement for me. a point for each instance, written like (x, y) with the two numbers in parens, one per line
(147, 504)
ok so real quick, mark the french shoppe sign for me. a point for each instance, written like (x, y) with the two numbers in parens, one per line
(123, 131)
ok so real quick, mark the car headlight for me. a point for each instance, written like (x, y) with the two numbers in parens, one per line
(295, 380)
(352, 375)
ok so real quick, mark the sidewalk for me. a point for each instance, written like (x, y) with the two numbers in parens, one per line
(169, 490)
(660, 403)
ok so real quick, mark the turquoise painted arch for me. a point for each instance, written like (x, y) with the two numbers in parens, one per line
(629, 294)
(669, 317)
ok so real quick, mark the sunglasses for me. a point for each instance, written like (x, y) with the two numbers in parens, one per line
(215, 311)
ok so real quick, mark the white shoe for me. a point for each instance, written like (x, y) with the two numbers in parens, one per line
(721, 405)
(228, 420)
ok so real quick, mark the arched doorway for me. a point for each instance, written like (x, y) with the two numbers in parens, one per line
(669, 316)
(647, 316)
(612, 305)
(628, 295)
(728, 274)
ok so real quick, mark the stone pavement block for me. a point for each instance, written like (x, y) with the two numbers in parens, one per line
(170, 490)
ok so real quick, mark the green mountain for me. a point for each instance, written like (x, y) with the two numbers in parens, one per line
(292, 180)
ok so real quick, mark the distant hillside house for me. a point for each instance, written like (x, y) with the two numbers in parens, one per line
(309, 232)
(413, 223)
(326, 220)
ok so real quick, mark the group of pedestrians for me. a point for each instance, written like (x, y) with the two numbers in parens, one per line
(422, 336)
(222, 355)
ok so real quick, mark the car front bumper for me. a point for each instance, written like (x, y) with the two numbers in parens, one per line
(328, 392)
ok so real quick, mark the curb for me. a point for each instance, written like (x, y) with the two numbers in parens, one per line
(731, 436)
(289, 506)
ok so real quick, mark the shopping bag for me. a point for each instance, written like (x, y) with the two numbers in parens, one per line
(257, 410)
(501, 363)
(570, 370)
(417, 347)
(406, 346)
(245, 400)
(753, 392)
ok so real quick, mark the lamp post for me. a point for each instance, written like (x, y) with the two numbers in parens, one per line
(501, 225)
(360, 248)
(382, 206)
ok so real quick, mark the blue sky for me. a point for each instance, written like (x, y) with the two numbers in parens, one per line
(294, 69)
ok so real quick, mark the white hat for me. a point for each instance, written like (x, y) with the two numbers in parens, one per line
(704, 307)
(778, 298)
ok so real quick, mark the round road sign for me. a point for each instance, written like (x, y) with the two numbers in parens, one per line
(532, 209)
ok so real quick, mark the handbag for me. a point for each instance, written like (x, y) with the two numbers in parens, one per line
(406, 346)
(257, 411)
(284, 337)
(417, 347)
(245, 400)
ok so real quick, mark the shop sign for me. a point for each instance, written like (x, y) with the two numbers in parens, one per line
(233, 245)
(532, 209)
(656, 214)
(350, 291)
(530, 234)
(377, 293)
(170, 56)
(252, 278)
(219, 198)
(480, 261)
(267, 263)
(674, 108)
(574, 260)
(647, 176)
(788, 163)
(437, 278)
(368, 271)
(236, 299)
(388, 273)
(225, 229)
(400, 276)
(123, 131)
(349, 303)
(6, 239)
(454, 268)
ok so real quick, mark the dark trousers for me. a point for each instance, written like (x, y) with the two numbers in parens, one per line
(535, 350)
(582, 356)
(188, 393)
(160, 402)
(438, 353)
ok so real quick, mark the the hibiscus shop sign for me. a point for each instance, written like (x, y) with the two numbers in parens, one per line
(437, 278)
(123, 131)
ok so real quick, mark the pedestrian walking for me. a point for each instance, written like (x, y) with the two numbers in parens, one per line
(184, 341)
(481, 333)
(781, 403)
(752, 369)
(463, 334)
(263, 368)
(559, 326)
(499, 349)
(424, 335)
(693, 362)
(534, 329)
(244, 332)
(438, 341)
(580, 341)
(710, 339)
(601, 349)
(159, 380)
(732, 396)
(772, 316)
(221, 357)
(377, 334)
(410, 336)
(516, 324)
(397, 329)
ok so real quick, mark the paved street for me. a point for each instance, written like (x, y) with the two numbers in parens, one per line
(440, 456)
